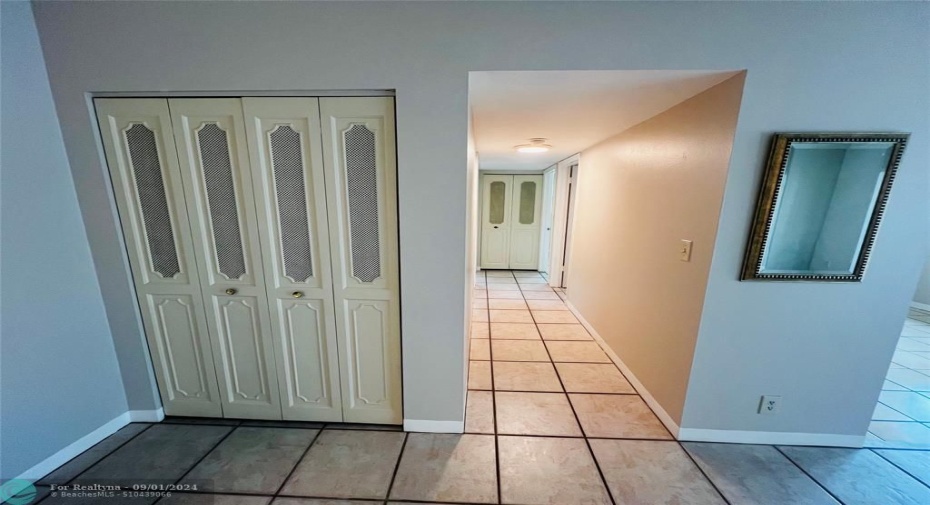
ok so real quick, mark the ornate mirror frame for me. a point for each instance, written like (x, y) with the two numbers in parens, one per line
(772, 184)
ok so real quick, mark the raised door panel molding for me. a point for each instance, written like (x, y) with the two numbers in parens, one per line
(187, 364)
(286, 157)
(373, 381)
(213, 158)
(496, 251)
(359, 148)
(147, 186)
(308, 391)
(249, 381)
(525, 249)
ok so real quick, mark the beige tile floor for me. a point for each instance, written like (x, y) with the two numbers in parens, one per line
(560, 407)
(548, 422)
(902, 415)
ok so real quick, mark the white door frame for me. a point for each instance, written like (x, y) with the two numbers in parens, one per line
(560, 231)
(546, 220)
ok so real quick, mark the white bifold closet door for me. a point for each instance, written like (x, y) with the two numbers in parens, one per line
(510, 223)
(361, 191)
(287, 159)
(148, 186)
(263, 244)
(214, 159)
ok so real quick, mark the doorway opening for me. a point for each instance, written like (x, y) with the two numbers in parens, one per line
(606, 194)
(901, 418)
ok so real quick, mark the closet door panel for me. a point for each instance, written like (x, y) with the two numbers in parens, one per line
(178, 337)
(287, 167)
(525, 222)
(211, 141)
(360, 169)
(496, 205)
(368, 325)
(310, 386)
(147, 184)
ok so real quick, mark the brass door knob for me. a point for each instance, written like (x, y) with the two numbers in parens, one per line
(231, 291)
(298, 294)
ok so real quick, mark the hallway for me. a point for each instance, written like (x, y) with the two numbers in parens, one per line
(571, 428)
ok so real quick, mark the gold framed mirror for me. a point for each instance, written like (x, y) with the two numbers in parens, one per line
(820, 205)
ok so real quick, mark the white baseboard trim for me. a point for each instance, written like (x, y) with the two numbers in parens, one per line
(429, 426)
(921, 306)
(660, 412)
(61, 457)
(770, 438)
(147, 416)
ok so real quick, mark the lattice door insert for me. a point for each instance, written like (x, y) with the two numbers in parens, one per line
(153, 201)
(221, 198)
(290, 189)
(362, 189)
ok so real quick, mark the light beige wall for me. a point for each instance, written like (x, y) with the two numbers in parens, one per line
(639, 194)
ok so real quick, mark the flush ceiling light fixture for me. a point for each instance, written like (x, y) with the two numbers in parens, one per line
(535, 146)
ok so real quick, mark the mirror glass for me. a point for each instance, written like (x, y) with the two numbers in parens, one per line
(820, 205)
(827, 196)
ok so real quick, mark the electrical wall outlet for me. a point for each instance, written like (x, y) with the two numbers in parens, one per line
(684, 250)
(770, 405)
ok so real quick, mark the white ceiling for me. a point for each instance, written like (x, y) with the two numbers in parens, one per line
(574, 110)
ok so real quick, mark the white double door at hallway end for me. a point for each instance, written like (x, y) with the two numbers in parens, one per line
(262, 240)
(510, 221)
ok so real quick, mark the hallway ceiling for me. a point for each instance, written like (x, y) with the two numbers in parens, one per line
(574, 110)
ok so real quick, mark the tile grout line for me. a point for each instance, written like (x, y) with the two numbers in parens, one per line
(207, 453)
(299, 461)
(584, 434)
(82, 472)
(611, 362)
(809, 476)
(566, 392)
(587, 442)
(700, 469)
(563, 362)
(400, 456)
(899, 467)
(497, 449)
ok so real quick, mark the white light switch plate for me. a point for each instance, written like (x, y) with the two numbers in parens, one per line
(684, 250)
